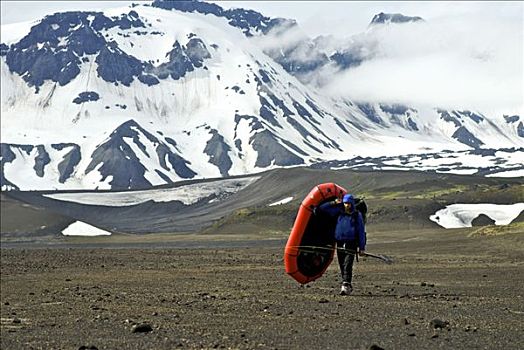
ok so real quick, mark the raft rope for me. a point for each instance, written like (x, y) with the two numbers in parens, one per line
(314, 249)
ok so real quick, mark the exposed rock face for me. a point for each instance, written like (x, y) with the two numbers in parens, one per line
(116, 159)
(53, 48)
(271, 152)
(86, 96)
(464, 136)
(249, 21)
(218, 149)
(60, 44)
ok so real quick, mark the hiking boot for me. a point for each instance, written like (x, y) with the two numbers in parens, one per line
(346, 289)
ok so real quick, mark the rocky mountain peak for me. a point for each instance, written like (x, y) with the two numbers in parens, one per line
(250, 22)
(386, 18)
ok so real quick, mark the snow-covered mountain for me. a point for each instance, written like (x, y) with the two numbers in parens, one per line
(150, 95)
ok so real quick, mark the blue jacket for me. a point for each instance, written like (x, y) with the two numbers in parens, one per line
(349, 226)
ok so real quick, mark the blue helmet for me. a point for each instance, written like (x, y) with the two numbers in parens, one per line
(348, 198)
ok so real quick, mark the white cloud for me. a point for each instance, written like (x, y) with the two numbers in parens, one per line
(449, 62)
(290, 42)
(278, 37)
(468, 54)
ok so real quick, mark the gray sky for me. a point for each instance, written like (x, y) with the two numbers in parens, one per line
(340, 18)
(21, 11)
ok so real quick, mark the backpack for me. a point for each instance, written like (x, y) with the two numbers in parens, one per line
(362, 207)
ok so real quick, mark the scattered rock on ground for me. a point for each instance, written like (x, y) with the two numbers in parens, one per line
(438, 324)
(142, 328)
(375, 347)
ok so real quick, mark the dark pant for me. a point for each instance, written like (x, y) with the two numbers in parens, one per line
(346, 251)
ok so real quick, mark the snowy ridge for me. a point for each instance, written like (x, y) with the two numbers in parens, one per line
(137, 97)
(485, 162)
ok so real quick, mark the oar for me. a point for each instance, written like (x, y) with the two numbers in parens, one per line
(384, 258)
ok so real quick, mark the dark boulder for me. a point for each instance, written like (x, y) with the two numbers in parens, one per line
(438, 324)
(142, 328)
(482, 220)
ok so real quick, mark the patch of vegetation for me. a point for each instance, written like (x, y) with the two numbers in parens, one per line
(417, 193)
(452, 193)
(242, 213)
(271, 220)
(492, 230)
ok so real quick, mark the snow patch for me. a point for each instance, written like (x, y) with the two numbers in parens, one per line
(461, 215)
(189, 194)
(79, 228)
(509, 173)
(280, 202)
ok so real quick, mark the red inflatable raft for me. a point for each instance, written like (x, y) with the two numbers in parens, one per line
(311, 244)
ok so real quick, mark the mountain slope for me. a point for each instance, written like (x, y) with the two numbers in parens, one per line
(396, 199)
(219, 94)
(131, 98)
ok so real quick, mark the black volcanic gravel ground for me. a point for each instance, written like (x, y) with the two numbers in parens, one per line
(444, 291)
